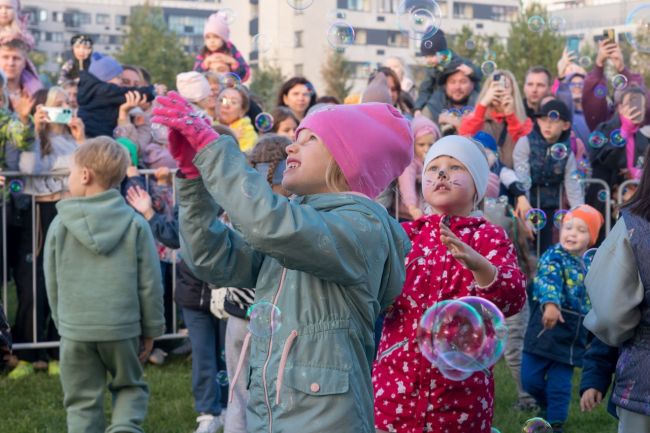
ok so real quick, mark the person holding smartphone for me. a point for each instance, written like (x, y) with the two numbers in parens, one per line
(596, 108)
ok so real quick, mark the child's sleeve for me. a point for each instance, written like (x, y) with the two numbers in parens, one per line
(49, 270)
(473, 122)
(517, 128)
(407, 186)
(150, 289)
(548, 283)
(521, 158)
(333, 245)
(164, 231)
(425, 90)
(571, 183)
(615, 289)
(599, 364)
(198, 61)
(215, 253)
(243, 71)
(508, 290)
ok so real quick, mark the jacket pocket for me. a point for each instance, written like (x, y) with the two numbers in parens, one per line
(317, 381)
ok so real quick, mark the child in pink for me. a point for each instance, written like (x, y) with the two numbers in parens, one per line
(454, 254)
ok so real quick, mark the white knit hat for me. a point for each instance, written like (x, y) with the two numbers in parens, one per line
(468, 153)
(192, 86)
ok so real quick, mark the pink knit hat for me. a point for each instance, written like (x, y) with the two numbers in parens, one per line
(217, 25)
(372, 143)
(422, 125)
(193, 86)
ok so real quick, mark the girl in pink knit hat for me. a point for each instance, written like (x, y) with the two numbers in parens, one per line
(323, 263)
(219, 50)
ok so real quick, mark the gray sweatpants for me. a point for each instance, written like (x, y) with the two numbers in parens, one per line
(517, 325)
(236, 415)
(632, 422)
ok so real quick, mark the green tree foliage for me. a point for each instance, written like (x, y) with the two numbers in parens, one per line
(638, 60)
(337, 74)
(150, 44)
(266, 85)
(478, 48)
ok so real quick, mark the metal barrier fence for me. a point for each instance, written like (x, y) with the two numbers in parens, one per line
(13, 176)
(147, 173)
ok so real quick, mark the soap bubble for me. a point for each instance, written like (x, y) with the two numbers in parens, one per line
(556, 23)
(424, 334)
(588, 256)
(336, 15)
(470, 44)
(559, 151)
(600, 91)
(553, 115)
(466, 110)
(537, 218)
(616, 138)
(526, 183)
(452, 373)
(597, 140)
(230, 80)
(229, 14)
(495, 430)
(536, 24)
(537, 425)
(619, 82)
(340, 35)
(488, 67)
(578, 175)
(558, 217)
(496, 331)
(490, 55)
(222, 378)
(419, 19)
(265, 319)
(300, 4)
(444, 57)
(264, 122)
(16, 186)
(584, 61)
(602, 195)
(639, 21)
(261, 43)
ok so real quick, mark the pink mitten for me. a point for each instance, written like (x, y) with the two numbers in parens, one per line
(183, 153)
(177, 114)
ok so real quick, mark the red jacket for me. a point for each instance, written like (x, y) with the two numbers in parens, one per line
(411, 395)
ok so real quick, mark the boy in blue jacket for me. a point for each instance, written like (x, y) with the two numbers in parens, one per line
(104, 288)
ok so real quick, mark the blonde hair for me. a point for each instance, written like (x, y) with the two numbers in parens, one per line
(106, 158)
(520, 111)
(335, 179)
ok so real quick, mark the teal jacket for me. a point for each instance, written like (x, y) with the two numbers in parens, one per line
(329, 262)
(102, 272)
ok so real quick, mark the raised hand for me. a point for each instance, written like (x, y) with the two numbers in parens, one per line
(140, 200)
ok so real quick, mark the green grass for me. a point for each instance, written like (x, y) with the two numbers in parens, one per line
(34, 405)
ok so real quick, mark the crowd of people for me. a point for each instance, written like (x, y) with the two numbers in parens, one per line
(347, 219)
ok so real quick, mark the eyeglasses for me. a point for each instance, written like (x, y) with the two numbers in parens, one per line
(576, 85)
(229, 101)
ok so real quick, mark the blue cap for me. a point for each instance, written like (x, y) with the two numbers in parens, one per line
(486, 140)
(105, 67)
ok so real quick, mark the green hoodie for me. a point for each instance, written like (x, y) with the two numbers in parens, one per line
(102, 272)
(330, 262)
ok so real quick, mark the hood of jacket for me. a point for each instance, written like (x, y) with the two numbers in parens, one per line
(98, 222)
(398, 241)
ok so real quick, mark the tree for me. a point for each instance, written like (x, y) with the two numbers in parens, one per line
(478, 48)
(526, 48)
(637, 57)
(150, 44)
(266, 85)
(337, 73)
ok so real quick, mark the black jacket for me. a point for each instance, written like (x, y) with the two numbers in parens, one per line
(99, 103)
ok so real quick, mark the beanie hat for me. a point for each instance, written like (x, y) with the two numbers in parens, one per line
(592, 217)
(105, 67)
(217, 25)
(193, 86)
(377, 90)
(422, 125)
(433, 44)
(468, 153)
(372, 143)
(486, 140)
(131, 147)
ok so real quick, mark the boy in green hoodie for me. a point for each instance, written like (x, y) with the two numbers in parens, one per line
(104, 287)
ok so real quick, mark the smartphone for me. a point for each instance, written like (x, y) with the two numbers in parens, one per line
(573, 45)
(609, 34)
(500, 78)
(636, 100)
(58, 114)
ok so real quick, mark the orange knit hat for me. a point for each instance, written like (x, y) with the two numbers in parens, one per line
(590, 216)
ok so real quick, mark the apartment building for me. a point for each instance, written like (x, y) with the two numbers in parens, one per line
(296, 39)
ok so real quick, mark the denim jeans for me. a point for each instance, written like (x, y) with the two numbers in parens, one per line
(207, 345)
(550, 383)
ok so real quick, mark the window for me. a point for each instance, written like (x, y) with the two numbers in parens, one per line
(355, 5)
(297, 39)
(57, 17)
(361, 70)
(361, 37)
(42, 15)
(463, 11)
(186, 25)
(298, 70)
(103, 19)
(397, 39)
(85, 18)
(121, 20)
(115, 39)
(388, 6)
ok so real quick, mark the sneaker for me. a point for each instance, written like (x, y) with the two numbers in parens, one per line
(53, 368)
(208, 424)
(157, 356)
(526, 405)
(23, 369)
(557, 427)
